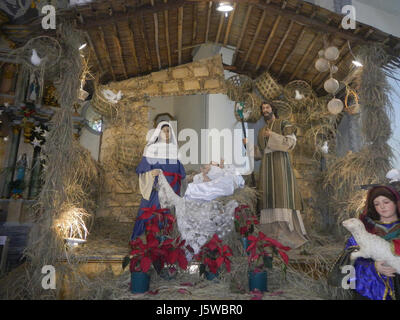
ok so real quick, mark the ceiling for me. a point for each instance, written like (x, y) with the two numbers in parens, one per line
(130, 38)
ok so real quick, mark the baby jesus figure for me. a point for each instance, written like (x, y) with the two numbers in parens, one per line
(215, 180)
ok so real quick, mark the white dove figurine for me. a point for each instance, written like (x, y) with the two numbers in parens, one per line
(325, 147)
(298, 96)
(393, 175)
(35, 59)
(111, 96)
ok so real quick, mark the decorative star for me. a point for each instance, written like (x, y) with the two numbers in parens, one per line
(45, 133)
(38, 130)
(6, 104)
(36, 142)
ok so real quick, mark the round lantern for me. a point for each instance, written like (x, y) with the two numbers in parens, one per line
(331, 85)
(335, 106)
(334, 69)
(322, 65)
(321, 53)
(332, 53)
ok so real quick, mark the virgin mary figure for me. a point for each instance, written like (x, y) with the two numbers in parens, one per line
(160, 156)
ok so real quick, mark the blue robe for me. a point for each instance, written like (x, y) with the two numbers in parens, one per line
(166, 165)
(369, 283)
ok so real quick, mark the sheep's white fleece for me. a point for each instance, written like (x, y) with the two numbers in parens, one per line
(371, 245)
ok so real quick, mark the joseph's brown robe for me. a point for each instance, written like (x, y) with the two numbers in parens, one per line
(281, 201)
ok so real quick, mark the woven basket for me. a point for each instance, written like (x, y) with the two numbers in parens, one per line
(251, 107)
(102, 106)
(284, 109)
(267, 86)
(130, 149)
(237, 86)
(303, 89)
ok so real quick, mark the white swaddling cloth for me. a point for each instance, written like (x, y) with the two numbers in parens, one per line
(223, 183)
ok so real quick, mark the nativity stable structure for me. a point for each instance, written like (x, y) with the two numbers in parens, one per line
(115, 58)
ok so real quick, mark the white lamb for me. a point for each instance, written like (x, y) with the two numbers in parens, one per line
(371, 245)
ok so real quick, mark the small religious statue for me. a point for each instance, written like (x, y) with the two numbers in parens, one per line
(18, 185)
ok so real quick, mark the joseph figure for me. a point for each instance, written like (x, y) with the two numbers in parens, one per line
(280, 202)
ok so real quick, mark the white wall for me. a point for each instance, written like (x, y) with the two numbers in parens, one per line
(91, 142)
(385, 20)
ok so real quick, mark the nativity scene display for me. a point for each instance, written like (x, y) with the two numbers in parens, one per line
(246, 156)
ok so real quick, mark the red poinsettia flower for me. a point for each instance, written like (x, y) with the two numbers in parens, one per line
(214, 254)
(159, 220)
(244, 220)
(258, 245)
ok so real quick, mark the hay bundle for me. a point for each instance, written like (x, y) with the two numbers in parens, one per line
(64, 182)
(267, 86)
(345, 176)
(237, 86)
(250, 107)
(300, 95)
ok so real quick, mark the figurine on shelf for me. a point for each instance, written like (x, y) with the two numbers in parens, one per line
(18, 185)
(33, 89)
(49, 97)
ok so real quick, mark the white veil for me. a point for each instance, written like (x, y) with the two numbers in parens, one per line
(159, 149)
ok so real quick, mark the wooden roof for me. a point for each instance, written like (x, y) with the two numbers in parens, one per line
(134, 37)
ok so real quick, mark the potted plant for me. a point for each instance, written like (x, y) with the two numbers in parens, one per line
(165, 254)
(212, 256)
(141, 257)
(244, 223)
(262, 250)
(160, 222)
(173, 255)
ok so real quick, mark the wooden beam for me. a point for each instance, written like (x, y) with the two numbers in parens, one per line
(131, 13)
(318, 26)
(194, 25)
(104, 44)
(269, 40)
(119, 49)
(140, 21)
(260, 23)
(134, 53)
(208, 20)
(299, 39)
(305, 56)
(155, 17)
(281, 44)
(180, 26)
(244, 29)
(228, 27)
(91, 46)
(167, 35)
(221, 23)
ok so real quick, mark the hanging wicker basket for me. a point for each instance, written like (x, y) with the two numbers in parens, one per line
(250, 106)
(130, 149)
(284, 109)
(238, 86)
(103, 106)
(300, 95)
(267, 86)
